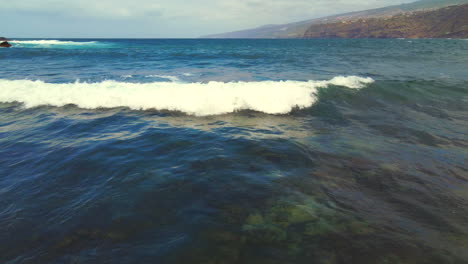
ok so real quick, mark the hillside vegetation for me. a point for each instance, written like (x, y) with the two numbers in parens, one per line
(298, 29)
(448, 22)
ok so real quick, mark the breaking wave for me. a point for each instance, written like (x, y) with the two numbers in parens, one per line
(168, 77)
(200, 99)
(52, 42)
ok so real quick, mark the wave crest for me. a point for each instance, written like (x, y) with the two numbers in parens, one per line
(52, 42)
(200, 99)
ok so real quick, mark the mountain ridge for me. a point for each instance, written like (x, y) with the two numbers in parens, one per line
(446, 22)
(298, 29)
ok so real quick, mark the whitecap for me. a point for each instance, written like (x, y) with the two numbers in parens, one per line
(52, 42)
(168, 77)
(199, 99)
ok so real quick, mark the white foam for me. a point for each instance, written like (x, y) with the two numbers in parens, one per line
(201, 99)
(349, 81)
(168, 77)
(52, 42)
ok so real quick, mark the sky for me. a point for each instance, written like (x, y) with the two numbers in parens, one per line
(161, 18)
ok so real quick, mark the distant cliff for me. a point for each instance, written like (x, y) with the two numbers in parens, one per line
(298, 29)
(448, 22)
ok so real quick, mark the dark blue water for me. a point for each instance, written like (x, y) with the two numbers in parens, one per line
(234, 151)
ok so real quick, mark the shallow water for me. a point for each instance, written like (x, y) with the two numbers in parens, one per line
(234, 151)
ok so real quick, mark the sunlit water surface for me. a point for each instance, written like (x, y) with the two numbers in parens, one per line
(234, 151)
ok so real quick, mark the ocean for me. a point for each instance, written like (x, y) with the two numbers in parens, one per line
(328, 151)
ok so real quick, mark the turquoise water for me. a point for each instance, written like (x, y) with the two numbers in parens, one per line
(234, 151)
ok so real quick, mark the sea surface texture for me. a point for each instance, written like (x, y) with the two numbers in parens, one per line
(234, 151)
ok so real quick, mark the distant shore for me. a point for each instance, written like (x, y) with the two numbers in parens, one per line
(449, 22)
(421, 19)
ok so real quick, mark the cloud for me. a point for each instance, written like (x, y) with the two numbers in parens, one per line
(104, 9)
(166, 18)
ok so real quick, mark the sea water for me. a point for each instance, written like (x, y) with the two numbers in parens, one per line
(234, 151)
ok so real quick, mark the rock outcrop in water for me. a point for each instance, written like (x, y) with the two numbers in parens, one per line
(4, 43)
(448, 22)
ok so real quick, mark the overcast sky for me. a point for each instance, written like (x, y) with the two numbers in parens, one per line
(160, 18)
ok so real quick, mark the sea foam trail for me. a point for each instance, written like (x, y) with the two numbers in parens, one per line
(48, 42)
(59, 44)
(200, 99)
